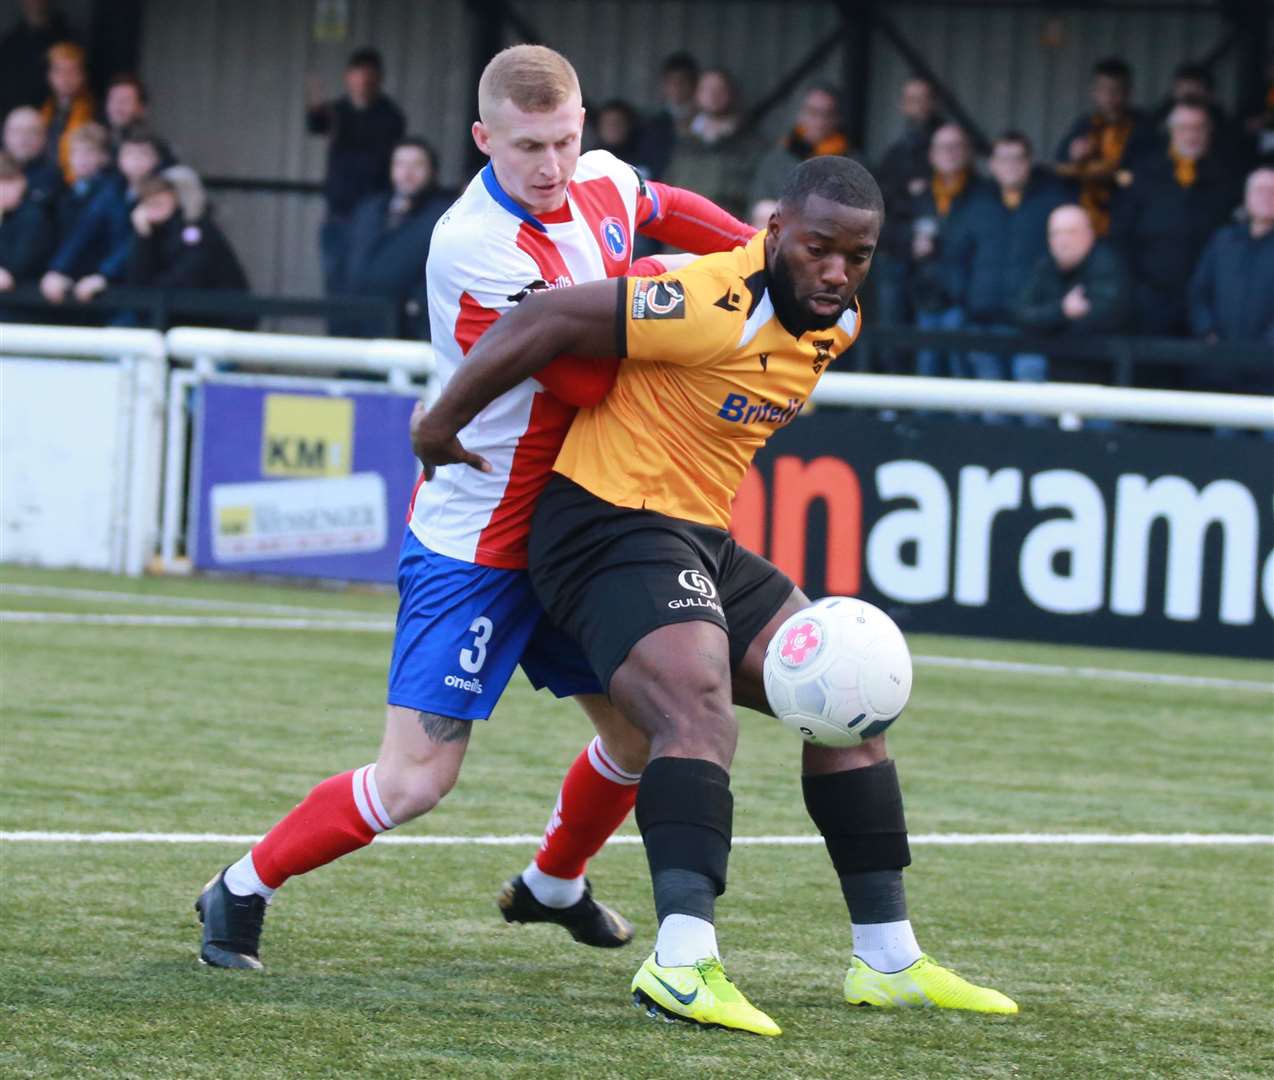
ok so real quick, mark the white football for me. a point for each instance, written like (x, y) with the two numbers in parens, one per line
(838, 672)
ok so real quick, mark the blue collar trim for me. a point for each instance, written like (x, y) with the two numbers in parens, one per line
(503, 198)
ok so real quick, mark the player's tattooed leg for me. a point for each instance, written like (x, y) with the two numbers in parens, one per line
(444, 729)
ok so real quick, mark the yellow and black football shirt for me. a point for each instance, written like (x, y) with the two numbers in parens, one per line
(708, 374)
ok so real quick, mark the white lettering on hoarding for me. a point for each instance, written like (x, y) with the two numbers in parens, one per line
(1081, 536)
(1188, 513)
(926, 527)
(1062, 561)
(983, 495)
(285, 519)
(1267, 583)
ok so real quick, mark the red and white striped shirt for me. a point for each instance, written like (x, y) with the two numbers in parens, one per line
(486, 254)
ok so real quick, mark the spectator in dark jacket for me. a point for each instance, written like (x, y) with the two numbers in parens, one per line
(1232, 290)
(903, 173)
(1079, 288)
(389, 239)
(1163, 220)
(178, 247)
(362, 128)
(128, 103)
(935, 213)
(677, 81)
(90, 157)
(97, 249)
(1194, 83)
(994, 245)
(26, 231)
(1102, 142)
(24, 141)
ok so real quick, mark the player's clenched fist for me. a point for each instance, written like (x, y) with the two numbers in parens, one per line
(436, 444)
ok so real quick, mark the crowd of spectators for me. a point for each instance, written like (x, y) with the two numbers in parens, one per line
(1103, 237)
(93, 198)
(1154, 221)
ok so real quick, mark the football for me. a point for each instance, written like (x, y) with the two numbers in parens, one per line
(838, 672)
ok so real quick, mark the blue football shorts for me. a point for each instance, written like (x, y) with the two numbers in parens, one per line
(463, 628)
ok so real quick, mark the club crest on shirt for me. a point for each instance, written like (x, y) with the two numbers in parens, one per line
(659, 300)
(823, 349)
(615, 237)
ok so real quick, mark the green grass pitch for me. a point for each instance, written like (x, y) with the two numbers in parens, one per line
(1132, 962)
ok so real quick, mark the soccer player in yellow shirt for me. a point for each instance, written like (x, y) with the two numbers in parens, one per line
(630, 553)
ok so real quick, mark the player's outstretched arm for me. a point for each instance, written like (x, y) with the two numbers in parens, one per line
(579, 320)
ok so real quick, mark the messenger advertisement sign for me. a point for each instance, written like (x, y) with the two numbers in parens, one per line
(300, 482)
(1140, 539)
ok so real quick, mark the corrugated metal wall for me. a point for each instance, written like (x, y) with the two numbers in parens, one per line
(1004, 73)
(227, 78)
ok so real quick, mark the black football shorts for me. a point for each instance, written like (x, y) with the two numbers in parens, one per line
(609, 575)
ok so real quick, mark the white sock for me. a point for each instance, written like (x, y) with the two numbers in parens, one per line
(886, 946)
(685, 939)
(555, 892)
(242, 879)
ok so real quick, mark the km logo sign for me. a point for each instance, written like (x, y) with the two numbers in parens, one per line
(306, 435)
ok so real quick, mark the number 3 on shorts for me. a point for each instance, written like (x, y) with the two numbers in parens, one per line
(473, 659)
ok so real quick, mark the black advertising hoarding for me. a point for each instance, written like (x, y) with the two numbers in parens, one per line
(1139, 539)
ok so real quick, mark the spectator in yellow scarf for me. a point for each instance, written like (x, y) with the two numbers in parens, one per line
(817, 132)
(1163, 219)
(69, 106)
(1102, 142)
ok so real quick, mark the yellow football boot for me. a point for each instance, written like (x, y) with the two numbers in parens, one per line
(923, 985)
(700, 993)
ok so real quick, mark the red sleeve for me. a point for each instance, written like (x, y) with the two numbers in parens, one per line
(649, 266)
(582, 381)
(579, 380)
(687, 221)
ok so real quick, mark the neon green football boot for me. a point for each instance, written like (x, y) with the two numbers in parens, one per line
(700, 993)
(923, 985)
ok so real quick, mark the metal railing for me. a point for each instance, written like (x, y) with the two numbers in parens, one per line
(1110, 359)
(162, 308)
(1070, 402)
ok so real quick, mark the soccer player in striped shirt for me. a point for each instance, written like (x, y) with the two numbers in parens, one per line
(539, 216)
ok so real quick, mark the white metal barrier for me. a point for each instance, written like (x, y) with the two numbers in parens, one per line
(60, 422)
(1067, 401)
(399, 361)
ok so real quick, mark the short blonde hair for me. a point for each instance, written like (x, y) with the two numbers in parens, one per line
(533, 77)
(93, 135)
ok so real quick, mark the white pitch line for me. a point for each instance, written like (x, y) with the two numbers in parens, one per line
(365, 625)
(211, 622)
(1111, 674)
(928, 839)
(60, 592)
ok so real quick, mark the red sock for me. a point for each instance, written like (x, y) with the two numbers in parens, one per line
(342, 814)
(595, 798)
